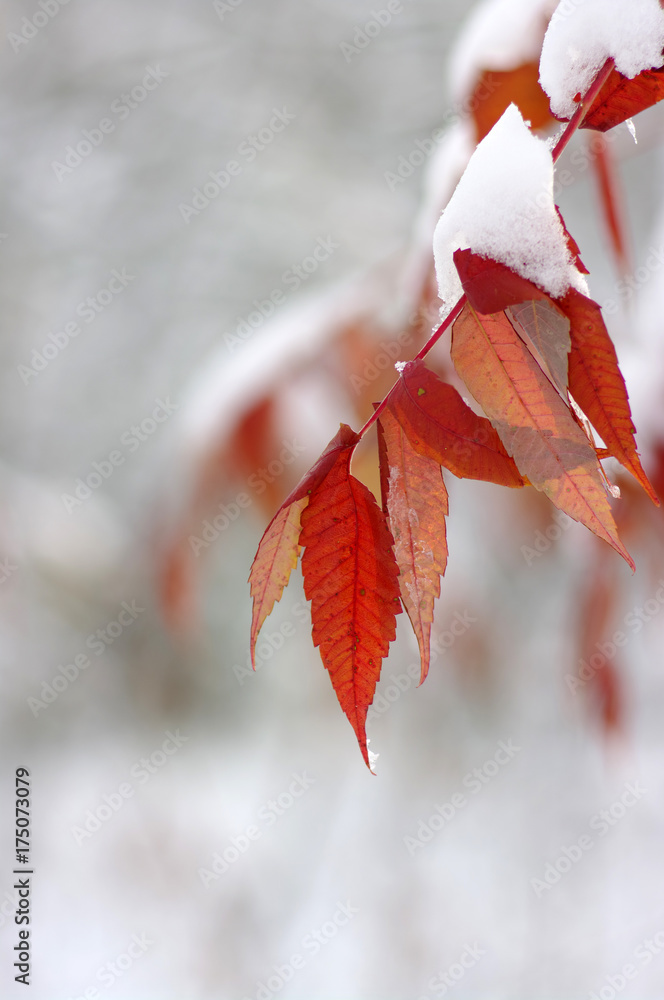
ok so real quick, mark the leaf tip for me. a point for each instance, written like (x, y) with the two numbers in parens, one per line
(628, 559)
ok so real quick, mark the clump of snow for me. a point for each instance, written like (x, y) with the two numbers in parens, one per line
(503, 208)
(499, 35)
(583, 34)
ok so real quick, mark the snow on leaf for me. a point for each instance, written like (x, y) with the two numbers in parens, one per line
(417, 506)
(350, 577)
(583, 36)
(534, 423)
(597, 385)
(497, 36)
(440, 426)
(279, 547)
(503, 208)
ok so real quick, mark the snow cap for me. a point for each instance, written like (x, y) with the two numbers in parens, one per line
(497, 35)
(503, 208)
(583, 34)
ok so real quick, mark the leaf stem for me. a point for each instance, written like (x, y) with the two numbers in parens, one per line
(585, 103)
(376, 413)
(433, 339)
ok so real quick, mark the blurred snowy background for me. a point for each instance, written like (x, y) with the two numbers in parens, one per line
(153, 749)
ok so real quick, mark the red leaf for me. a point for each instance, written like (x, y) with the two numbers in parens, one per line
(279, 547)
(572, 245)
(612, 203)
(350, 577)
(597, 385)
(491, 286)
(344, 438)
(253, 444)
(440, 426)
(416, 501)
(620, 98)
(534, 423)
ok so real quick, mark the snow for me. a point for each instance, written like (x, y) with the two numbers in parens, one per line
(499, 35)
(583, 34)
(503, 208)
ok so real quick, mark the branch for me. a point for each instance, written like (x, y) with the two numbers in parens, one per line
(584, 105)
(433, 339)
(573, 124)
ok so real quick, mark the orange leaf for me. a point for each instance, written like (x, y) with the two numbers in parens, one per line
(544, 330)
(440, 426)
(534, 423)
(350, 577)
(417, 505)
(496, 90)
(279, 547)
(620, 98)
(275, 559)
(597, 385)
